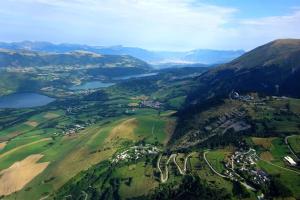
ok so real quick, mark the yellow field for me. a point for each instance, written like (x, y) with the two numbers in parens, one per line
(51, 115)
(266, 155)
(32, 123)
(2, 145)
(264, 142)
(125, 130)
(77, 161)
(20, 173)
(81, 158)
(169, 129)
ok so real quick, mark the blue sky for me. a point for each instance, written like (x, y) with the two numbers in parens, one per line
(151, 24)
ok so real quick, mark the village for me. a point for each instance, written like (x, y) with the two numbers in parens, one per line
(135, 153)
(242, 166)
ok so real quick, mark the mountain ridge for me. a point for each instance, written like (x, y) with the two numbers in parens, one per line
(204, 56)
(261, 70)
(26, 58)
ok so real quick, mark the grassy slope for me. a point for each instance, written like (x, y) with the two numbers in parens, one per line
(70, 155)
(216, 157)
(278, 150)
(294, 141)
(290, 179)
(142, 179)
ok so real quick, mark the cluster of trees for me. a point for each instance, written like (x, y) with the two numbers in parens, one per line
(96, 183)
(229, 138)
(186, 116)
(11, 117)
(276, 189)
(191, 188)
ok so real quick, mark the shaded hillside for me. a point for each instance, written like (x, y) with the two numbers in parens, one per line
(10, 58)
(272, 69)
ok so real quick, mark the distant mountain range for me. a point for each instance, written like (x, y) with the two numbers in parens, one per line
(203, 56)
(28, 58)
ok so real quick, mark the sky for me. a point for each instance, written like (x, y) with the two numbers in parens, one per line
(176, 25)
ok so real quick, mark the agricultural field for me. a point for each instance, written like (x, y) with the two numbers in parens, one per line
(274, 147)
(294, 142)
(112, 139)
(216, 158)
(65, 153)
(272, 152)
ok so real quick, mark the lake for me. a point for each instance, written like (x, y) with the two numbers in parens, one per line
(91, 85)
(24, 100)
(134, 76)
(100, 84)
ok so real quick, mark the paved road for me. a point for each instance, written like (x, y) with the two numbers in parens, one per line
(85, 194)
(162, 178)
(172, 157)
(185, 161)
(45, 197)
(182, 172)
(223, 176)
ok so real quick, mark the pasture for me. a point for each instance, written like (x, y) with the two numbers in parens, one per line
(294, 142)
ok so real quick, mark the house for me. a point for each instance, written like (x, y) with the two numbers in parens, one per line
(290, 160)
(234, 95)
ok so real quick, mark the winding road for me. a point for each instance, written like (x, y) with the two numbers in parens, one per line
(85, 194)
(163, 178)
(215, 171)
(223, 176)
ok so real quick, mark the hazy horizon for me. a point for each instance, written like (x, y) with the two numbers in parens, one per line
(160, 25)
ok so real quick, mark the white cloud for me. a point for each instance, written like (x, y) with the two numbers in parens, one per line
(262, 30)
(156, 24)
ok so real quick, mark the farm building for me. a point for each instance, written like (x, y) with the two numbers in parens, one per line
(290, 160)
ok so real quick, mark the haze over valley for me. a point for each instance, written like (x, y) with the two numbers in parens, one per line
(201, 102)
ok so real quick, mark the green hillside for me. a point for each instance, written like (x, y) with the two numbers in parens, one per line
(22, 58)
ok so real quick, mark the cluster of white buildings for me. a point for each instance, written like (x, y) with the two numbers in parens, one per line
(151, 104)
(245, 163)
(290, 161)
(74, 130)
(237, 96)
(135, 153)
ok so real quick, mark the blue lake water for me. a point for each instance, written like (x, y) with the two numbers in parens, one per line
(91, 85)
(134, 76)
(24, 100)
(100, 84)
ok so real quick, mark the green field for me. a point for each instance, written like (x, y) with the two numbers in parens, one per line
(199, 166)
(69, 155)
(290, 179)
(142, 180)
(114, 120)
(216, 159)
(277, 167)
(277, 148)
(294, 141)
